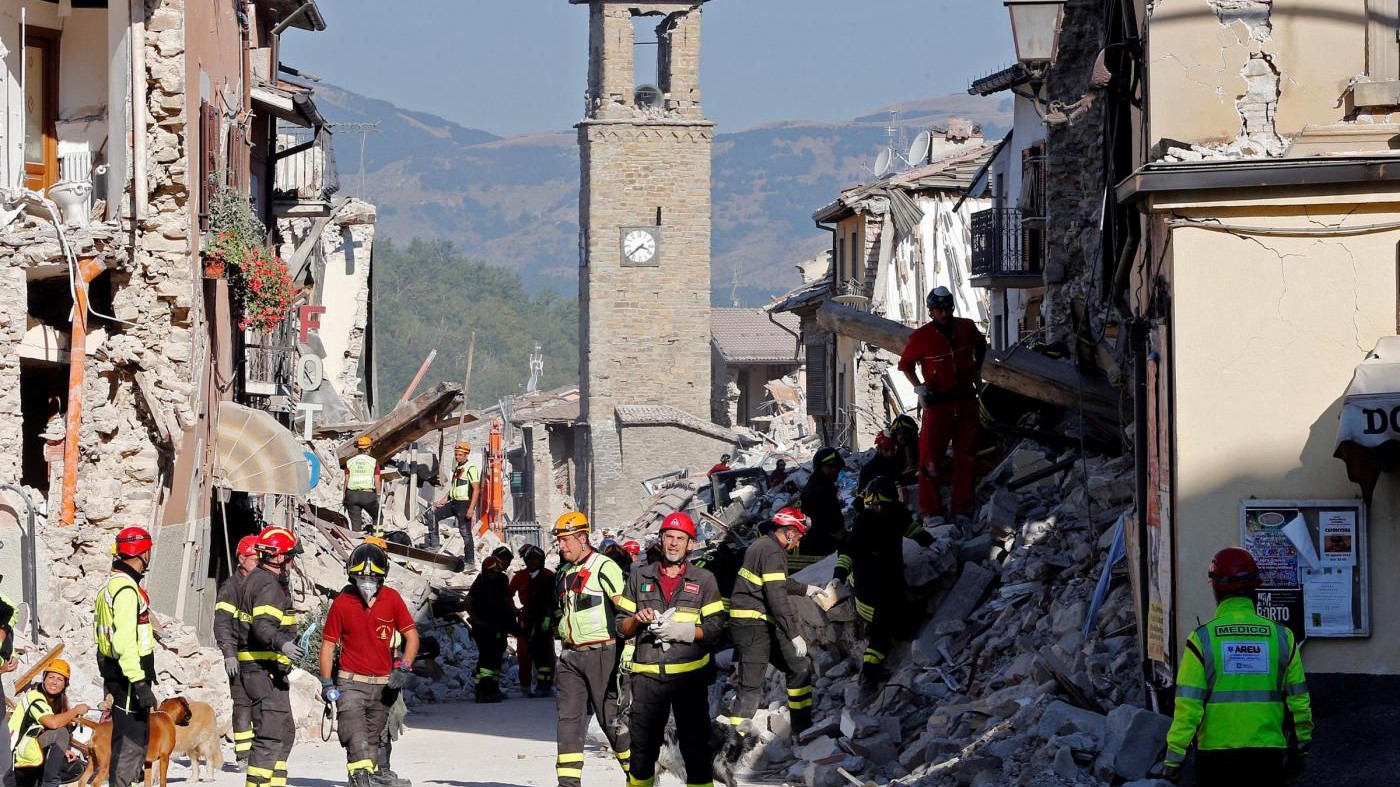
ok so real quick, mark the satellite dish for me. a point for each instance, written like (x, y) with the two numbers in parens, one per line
(882, 163)
(648, 96)
(918, 152)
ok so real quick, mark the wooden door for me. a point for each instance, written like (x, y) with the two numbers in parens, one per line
(40, 108)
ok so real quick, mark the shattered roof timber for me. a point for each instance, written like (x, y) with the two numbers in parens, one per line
(424, 414)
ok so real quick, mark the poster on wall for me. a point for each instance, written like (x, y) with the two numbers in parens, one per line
(1312, 567)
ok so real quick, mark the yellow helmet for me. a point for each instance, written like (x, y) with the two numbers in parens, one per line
(464, 446)
(570, 523)
(59, 667)
(363, 441)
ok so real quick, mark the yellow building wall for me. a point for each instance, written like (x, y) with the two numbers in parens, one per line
(1267, 331)
(1198, 61)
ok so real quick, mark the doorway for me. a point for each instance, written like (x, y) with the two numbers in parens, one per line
(40, 108)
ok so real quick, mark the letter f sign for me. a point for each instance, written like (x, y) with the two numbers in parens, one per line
(309, 319)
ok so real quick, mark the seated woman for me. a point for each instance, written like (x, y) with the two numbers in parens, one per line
(39, 727)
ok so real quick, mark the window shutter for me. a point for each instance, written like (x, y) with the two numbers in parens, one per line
(818, 374)
(208, 158)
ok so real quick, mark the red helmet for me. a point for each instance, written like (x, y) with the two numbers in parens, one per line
(679, 521)
(1233, 569)
(883, 440)
(276, 541)
(247, 546)
(133, 541)
(791, 517)
(632, 548)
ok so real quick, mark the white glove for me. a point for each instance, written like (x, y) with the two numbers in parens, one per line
(814, 590)
(674, 631)
(799, 645)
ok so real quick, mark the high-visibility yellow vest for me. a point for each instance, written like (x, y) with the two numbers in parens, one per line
(1238, 674)
(115, 641)
(360, 473)
(25, 728)
(463, 480)
(588, 607)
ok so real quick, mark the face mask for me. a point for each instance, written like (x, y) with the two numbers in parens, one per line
(368, 588)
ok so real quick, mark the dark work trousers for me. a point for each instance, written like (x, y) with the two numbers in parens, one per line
(490, 651)
(945, 422)
(242, 718)
(55, 771)
(536, 656)
(361, 713)
(758, 644)
(1233, 767)
(275, 731)
(882, 624)
(131, 729)
(653, 699)
(459, 510)
(583, 680)
(393, 727)
(364, 501)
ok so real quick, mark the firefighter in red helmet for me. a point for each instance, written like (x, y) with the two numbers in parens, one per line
(225, 613)
(1240, 676)
(126, 649)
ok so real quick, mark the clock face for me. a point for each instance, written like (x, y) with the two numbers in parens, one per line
(640, 245)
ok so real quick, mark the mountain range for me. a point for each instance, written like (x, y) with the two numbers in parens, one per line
(513, 201)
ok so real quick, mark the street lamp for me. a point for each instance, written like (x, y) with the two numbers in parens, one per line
(1035, 27)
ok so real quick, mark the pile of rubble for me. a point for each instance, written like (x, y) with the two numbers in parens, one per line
(1017, 675)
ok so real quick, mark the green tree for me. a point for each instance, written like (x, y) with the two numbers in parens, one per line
(429, 296)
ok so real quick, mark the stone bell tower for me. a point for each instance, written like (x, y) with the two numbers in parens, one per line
(644, 276)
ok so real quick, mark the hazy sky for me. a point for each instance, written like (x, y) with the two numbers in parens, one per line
(517, 66)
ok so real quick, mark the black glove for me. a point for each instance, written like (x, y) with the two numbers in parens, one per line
(142, 697)
(398, 678)
(840, 574)
(923, 538)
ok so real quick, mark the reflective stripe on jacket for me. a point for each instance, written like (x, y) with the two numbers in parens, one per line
(25, 728)
(359, 473)
(1237, 675)
(464, 478)
(696, 600)
(587, 592)
(762, 587)
(264, 619)
(121, 628)
(225, 613)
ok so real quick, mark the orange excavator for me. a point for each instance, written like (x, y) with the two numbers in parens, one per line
(490, 503)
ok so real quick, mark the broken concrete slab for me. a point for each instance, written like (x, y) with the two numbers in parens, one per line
(1061, 718)
(1134, 740)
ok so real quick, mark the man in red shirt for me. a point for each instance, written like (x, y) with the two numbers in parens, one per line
(947, 354)
(533, 591)
(362, 624)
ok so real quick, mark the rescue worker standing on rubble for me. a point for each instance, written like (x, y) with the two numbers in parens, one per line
(361, 627)
(943, 361)
(460, 500)
(362, 485)
(126, 649)
(590, 590)
(821, 504)
(492, 618)
(673, 611)
(267, 647)
(872, 562)
(533, 590)
(764, 628)
(225, 613)
(1239, 678)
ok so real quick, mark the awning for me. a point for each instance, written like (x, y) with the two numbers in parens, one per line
(254, 453)
(1368, 439)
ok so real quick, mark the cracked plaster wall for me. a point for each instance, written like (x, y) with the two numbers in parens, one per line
(1266, 333)
(1251, 72)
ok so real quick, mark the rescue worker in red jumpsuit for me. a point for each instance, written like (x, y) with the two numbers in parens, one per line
(533, 592)
(943, 361)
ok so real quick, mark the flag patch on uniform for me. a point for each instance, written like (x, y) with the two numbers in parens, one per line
(692, 587)
(646, 587)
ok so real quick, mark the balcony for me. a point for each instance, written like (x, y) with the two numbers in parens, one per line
(1007, 252)
(306, 173)
(268, 360)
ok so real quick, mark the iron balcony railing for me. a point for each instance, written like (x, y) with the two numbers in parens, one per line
(1004, 246)
(308, 174)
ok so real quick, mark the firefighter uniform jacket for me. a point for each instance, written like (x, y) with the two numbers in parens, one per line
(225, 613)
(488, 602)
(873, 556)
(265, 620)
(696, 600)
(1238, 674)
(762, 587)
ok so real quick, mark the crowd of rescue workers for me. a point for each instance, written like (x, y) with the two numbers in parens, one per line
(632, 635)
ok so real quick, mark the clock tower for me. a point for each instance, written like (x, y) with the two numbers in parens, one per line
(644, 248)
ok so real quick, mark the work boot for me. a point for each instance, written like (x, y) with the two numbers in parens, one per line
(360, 779)
(544, 688)
(489, 690)
(385, 777)
(872, 679)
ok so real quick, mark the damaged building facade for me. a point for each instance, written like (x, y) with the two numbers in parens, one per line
(133, 367)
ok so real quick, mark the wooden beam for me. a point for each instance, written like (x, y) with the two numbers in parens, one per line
(1047, 380)
(408, 423)
(863, 326)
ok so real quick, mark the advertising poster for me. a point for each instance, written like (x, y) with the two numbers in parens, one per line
(1311, 557)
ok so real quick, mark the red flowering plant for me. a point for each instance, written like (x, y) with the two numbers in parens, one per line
(266, 289)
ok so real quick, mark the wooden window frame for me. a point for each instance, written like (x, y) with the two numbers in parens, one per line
(40, 177)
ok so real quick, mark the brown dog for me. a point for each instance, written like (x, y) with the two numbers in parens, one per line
(200, 739)
(172, 712)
